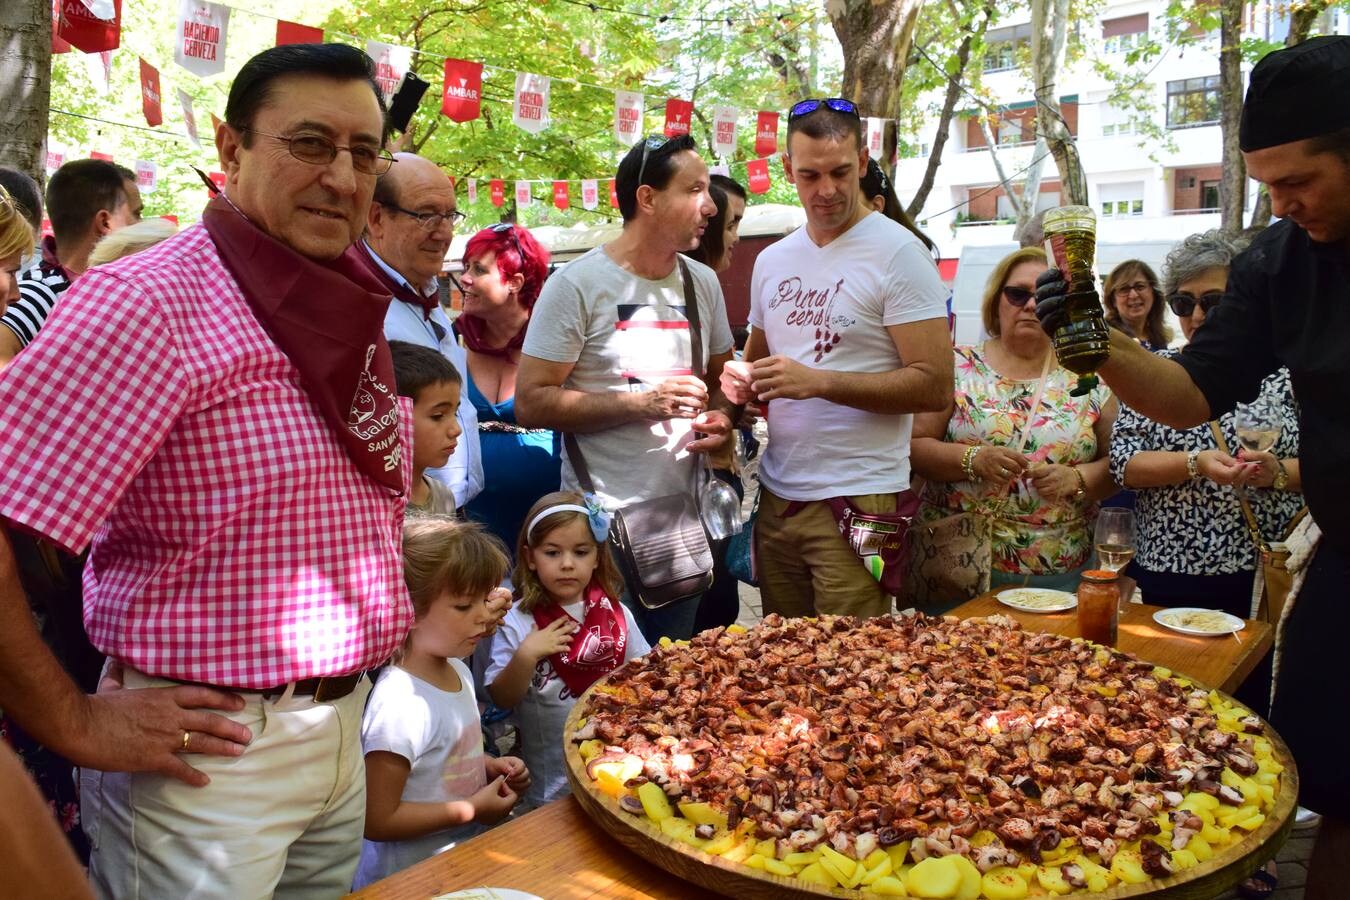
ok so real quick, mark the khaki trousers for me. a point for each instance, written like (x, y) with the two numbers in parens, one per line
(285, 818)
(807, 568)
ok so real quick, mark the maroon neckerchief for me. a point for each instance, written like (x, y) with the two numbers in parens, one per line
(399, 289)
(328, 318)
(471, 328)
(597, 647)
(50, 262)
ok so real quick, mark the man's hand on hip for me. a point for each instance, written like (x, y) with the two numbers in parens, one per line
(778, 377)
(716, 427)
(142, 730)
(681, 397)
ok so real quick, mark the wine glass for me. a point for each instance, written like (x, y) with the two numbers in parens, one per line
(1258, 423)
(718, 505)
(1114, 538)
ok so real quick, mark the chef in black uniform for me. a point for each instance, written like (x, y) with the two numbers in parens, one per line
(1287, 304)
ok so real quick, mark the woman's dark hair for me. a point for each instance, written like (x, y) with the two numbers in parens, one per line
(1157, 333)
(712, 246)
(253, 85)
(416, 368)
(26, 193)
(874, 183)
(659, 170)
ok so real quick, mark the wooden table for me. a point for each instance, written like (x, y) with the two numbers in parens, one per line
(555, 852)
(1220, 662)
(558, 853)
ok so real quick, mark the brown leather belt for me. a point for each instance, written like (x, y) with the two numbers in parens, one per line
(323, 689)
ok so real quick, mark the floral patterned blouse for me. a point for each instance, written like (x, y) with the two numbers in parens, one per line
(1031, 535)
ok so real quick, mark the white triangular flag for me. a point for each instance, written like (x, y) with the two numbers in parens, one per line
(627, 117)
(523, 195)
(724, 130)
(529, 110)
(391, 64)
(590, 193)
(200, 44)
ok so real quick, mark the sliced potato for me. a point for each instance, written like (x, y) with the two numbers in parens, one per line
(767, 848)
(655, 802)
(969, 888)
(778, 867)
(841, 862)
(1052, 879)
(888, 887)
(882, 869)
(1183, 860)
(740, 853)
(589, 749)
(722, 843)
(1003, 883)
(814, 874)
(873, 858)
(1128, 866)
(937, 878)
(1201, 848)
(703, 814)
(800, 859)
(898, 854)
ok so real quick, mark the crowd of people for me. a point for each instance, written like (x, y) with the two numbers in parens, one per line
(283, 540)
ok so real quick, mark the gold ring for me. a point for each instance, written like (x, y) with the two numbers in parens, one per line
(186, 736)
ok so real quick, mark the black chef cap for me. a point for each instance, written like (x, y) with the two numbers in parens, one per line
(1297, 93)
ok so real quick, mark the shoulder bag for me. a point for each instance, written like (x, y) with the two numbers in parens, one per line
(660, 544)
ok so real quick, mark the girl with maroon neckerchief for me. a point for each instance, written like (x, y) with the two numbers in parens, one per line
(567, 631)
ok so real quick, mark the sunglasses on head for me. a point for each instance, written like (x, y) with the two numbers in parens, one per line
(650, 146)
(508, 228)
(1184, 304)
(838, 104)
(1017, 296)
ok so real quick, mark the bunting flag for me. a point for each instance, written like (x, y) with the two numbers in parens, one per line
(150, 102)
(99, 154)
(295, 33)
(462, 95)
(561, 196)
(147, 176)
(85, 31)
(613, 195)
(720, 169)
(189, 119)
(757, 171)
(590, 193)
(498, 188)
(56, 157)
(627, 117)
(472, 190)
(218, 179)
(523, 195)
(529, 110)
(200, 44)
(100, 71)
(678, 115)
(766, 134)
(102, 8)
(391, 64)
(58, 45)
(876, 133)
(724, 130)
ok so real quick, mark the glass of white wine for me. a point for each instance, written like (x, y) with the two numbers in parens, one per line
(1114, 538)
(1258, 423)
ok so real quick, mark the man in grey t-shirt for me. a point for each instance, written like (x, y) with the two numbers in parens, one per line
(608, 354)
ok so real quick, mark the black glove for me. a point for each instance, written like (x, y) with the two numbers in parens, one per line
(1052, 293)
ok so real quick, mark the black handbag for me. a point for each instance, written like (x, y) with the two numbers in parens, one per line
(660, 544)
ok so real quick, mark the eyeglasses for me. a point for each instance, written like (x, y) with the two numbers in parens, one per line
(1017, 296)
(1139, 287)
(650, 146)
(508, 228)
(1184, 304)
(428, 221)
(320, 151)
(838, 104)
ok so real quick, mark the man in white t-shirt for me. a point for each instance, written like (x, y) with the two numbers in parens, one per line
(848, 339)
(607, 355)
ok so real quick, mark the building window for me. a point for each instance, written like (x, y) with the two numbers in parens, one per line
(1003, 45)
(1124, 199)
(1116, 121)
(1009, 132)
(1123, 34)
(1192, 102)
(1209, 195)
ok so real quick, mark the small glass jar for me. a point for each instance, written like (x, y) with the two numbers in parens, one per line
(1098, 604)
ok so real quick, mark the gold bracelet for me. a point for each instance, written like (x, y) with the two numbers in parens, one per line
(968, 462)
(1082, 482)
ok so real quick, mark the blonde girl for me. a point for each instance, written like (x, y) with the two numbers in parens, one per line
(567, 630)
(428, 783)
(16, 242)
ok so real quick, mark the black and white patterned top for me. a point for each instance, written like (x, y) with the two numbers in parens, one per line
(1197, 527)
(41, 282)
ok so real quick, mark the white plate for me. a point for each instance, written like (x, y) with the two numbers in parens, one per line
(487, 893)
(1219, 623)
(1037, 600)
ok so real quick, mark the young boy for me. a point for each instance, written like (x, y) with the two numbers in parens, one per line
(433, 385)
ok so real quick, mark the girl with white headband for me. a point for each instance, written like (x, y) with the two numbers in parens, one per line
(567, 631)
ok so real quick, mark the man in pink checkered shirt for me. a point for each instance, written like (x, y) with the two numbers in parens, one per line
(213, 419)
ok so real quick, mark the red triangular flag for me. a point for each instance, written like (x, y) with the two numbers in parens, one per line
(218, 179)
(613, 195)
(98, 154)
(757, 172)
(678, 114)
(150, 94)
(84, 31)
(561, 198)
(58, 45)
(462, 92)
(766, 134)
(498, 191)
(295, 33)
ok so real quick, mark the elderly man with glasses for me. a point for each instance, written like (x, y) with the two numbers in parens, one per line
(408, 233)
(215, 420)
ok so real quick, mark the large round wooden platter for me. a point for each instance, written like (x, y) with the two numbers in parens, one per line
(1225, 870)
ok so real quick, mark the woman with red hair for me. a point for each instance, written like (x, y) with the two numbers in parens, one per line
(504, 269)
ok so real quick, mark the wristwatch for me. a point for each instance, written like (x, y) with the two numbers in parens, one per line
(1281, 476)
(1192, 464)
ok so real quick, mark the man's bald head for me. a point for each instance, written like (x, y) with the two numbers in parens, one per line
(411, 196)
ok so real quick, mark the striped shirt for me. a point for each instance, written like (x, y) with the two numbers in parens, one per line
(40, 283)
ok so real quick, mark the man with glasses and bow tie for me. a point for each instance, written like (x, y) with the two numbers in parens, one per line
(848, 340)
(215, 420)
(408, 233)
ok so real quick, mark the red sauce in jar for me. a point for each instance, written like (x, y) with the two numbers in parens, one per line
(1098, 601)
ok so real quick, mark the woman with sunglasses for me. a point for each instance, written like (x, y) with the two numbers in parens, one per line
(504, 270)
(1037, 473)
(1194, 547)
(1134, 304)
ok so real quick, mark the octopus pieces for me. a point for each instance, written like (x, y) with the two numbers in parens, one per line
(851, 753)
